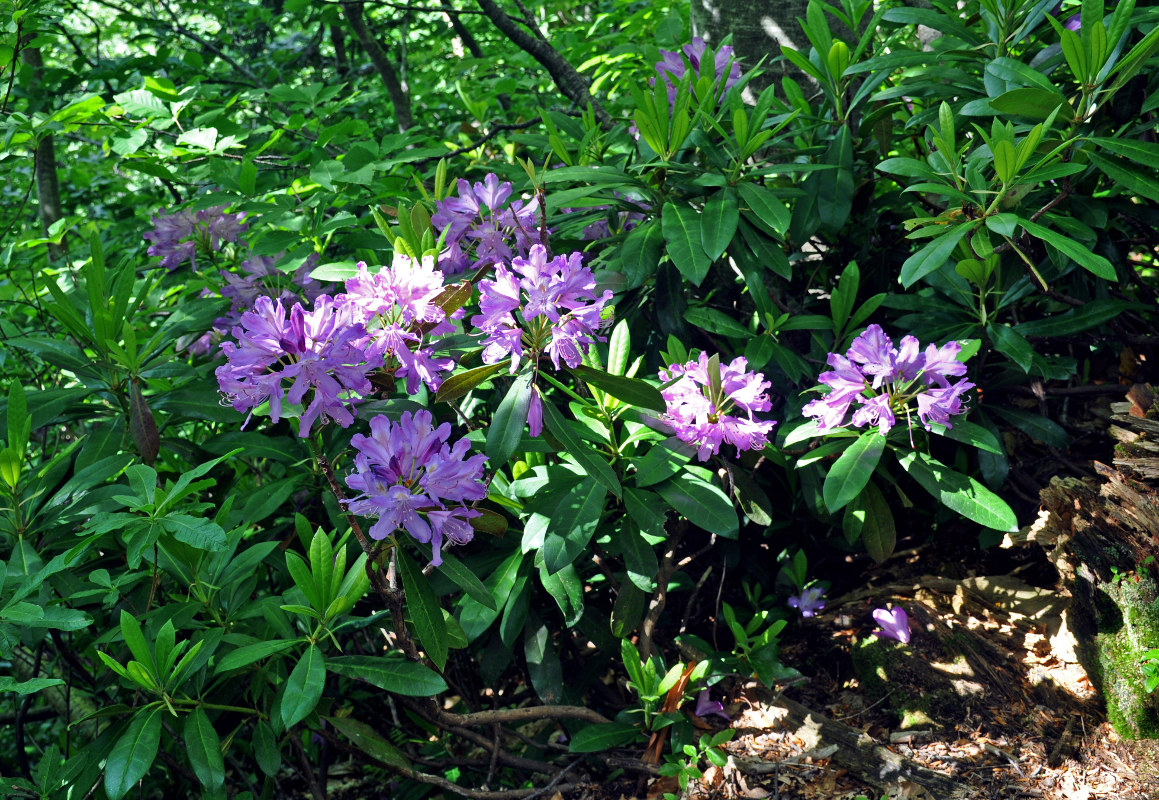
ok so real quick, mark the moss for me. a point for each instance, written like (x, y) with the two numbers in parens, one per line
(1131, 711)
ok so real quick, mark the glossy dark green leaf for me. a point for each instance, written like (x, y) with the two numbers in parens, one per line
(248, 654)
(959, 492)
(509, 420)
(971, 434)
(466, 580)
(266, 751)
(391, 673)
(933, 256)
(573, 523)
(1035, 426)
(718, 222)
(425, 611)
(460, 383)
(567, 589)
(867, 517)
(133, 753)
(1028, 102)
(646, 509)
(629, 390)
(304, 687)
(703, 504)
(852, 470)
(1092, 262)
(593, 462)
(641, 252)
(716, 321)
(639, 557)
(596, 738)
(369, 741)
(203, 748)
(767, 207)
(682, 239)
(1009, 342)
(663, 460)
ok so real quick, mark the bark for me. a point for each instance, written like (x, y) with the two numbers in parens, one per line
(355, 15)
(47, 184)
(338, 41)
(1099, 534)
(573, 85)
(470, 42)
(759, 30)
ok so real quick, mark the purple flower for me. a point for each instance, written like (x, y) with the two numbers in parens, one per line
(706, 420)
(884, 381)
(409, 477)
(180, 236)
(894, 624)
(809, 602)
(478, 224)
(398, 308)
(541, 306)
(705, 705)
(672, 67)
(316, 351)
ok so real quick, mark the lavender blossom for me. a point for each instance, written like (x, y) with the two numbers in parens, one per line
(702, 417)
(317, 351)
(672, 67)
(705, 705)
(540, 306)
(894, 623)
(481, 230)
(183, 235)
(883, 381)
(409, 477)
(397, 306)
(809, 602)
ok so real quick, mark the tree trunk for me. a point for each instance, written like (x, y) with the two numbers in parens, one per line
(1102, 538)
(47, 185)
(759, 29)
(381, 61)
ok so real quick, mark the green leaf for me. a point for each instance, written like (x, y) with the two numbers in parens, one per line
(619, 348)
(1089, 315)
(19, 421)
(767, 207)
(203, 747)
(639, 558)
(718, 223)
(715, 321)
(460, 383)
(1134, 181)
(247, 655)
(135, 639)
(596, 738)
(266, 751)
(30, 686)
(868, 518)
(959, 492)
(573, 523)
(969, 433)
(567, 589)
(852, 470)
(682, 237)
(703, 504)
(197, 532)
(662, 460)
(368, 740)
(642, 506)
(425, 611)
(1031, 102)
(593, 463)
(1073, 250)
(509, 420)
(933, 256)
(641, 252)
(304, 687)
(391, 673)
(466, 580)
(1145, 153)
(629, 390)
(1011, 343)
(1035, 426)
(133, 753)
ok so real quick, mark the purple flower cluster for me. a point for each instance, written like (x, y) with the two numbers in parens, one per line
(624, 220)
(672, 67)
(809, 602)
(317, 351)
(482, 227)
(182, 236)
(704, 416)
(397, 308)
(384, 319)
(540, 305)
(882, 380)
(409, 477)
(260, 278)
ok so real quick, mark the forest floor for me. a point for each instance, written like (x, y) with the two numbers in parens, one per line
(988, 693)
